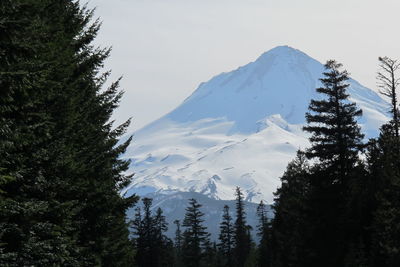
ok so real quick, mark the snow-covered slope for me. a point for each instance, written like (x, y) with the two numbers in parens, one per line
(241, 128)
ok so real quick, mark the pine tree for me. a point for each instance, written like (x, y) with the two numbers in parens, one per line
(36, 223)
(195, 237)
(226, 237)
(264, 232)
(385, 180)
(164, 245)
(143, 226)
(336, 138)
(335, 143)
(384, 173)
(290, 223)
(242, 239)
(63, 205)
(153, 248)
(178, 244)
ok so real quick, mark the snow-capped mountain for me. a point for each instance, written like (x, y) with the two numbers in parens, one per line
(241, 128)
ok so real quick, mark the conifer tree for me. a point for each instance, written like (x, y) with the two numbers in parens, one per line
(290, 223)
(178, 244)
(264, 232)
(195, 236)
(226, 237)
(153, 248)
(242, 239)
(36, 223)
(164, 245)
(335, 142)
(385, 175)
(336, 138)
(63, 205)
(384, 171)
(143, 226)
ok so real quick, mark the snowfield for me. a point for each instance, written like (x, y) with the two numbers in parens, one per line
(241, 128)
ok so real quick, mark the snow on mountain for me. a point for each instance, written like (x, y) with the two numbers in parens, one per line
(241, 128)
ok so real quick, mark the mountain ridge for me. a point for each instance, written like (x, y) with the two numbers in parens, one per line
(240, 128)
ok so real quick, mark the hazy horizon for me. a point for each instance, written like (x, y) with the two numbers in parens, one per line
(165, 49)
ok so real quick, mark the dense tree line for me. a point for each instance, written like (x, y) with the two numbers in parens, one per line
(61, 172)
(192, 245)
(339, 200)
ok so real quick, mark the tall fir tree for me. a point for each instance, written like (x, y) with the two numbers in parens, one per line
(195, 236)
(264, 257)
(225, 237)
(290, 223)
(164, 245)
(36, 225)
(63, 205)
(153, 248)
(335, 143)
(385, 175)
(178, 240)
(242, 238)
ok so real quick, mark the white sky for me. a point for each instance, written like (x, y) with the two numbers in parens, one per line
(165, 48)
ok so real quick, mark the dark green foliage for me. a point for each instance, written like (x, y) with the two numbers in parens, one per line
(384, 174)
(211, 255)
(385, 171)
(242, 238)
(36, 222)
(153, 248)
(335, 143)
(195, 236)
(320, 215)
(226, 238)
(60, 167)
(336, 138)
(289, 226)
(264, 258)
(178, 244)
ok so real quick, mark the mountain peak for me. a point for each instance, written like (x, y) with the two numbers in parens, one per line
(285, 56)
(240, 128)
(280, 81)
(283, 50)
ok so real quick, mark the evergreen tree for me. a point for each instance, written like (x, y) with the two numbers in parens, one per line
(384, 170)
(178, 244)
(242, 239)
(153, 248)
(211, 256)
(195, 237)
(164, 245)
(385, 176)
(264, 232)
(144, 231)
(335, 143)
(62, 206)
(226, 237)
(336, 138)
(290, 223)
(36, 225)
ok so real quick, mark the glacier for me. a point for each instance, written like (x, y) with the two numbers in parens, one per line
(240, 128)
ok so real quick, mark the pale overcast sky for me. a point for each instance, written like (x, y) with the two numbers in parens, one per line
(165, 48)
